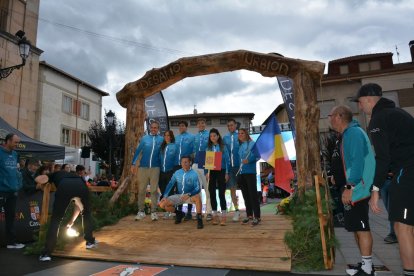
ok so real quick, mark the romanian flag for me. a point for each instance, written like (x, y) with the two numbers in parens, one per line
(271, 148)
(210, 160)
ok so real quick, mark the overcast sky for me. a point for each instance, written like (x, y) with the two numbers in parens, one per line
(109, 43)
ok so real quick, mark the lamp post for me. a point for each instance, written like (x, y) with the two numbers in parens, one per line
(24, 49)
(110, 118)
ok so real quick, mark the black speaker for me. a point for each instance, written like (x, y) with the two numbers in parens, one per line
(86, 152)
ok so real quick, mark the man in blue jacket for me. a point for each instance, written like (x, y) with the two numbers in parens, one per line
(10, 184)
(200, 145)
(359, 165)
(149, 170)
(188, 190)
(185, 144)
(232, 145)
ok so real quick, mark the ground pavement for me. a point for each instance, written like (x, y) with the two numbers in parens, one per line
(14, 262)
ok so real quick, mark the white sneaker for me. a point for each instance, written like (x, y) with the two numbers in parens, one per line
(90, 245)
(45, 258)
(15, 246)
(154, 216)
(167, 215)
(140, 216)
(236, 216)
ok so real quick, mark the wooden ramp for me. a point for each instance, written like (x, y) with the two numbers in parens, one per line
(233, 246)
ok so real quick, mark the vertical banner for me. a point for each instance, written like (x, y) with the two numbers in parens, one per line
(286, 88)
(157, 111)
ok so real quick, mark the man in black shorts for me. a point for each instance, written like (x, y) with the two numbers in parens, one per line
(359, 165)
(392, 133)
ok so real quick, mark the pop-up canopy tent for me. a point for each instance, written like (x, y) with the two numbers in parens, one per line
(31, 148)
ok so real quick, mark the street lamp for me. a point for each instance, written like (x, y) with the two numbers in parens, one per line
(24, 49)
(110, 118)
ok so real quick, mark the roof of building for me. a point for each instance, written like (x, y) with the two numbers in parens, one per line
(360, 57)
(210, 114)
(44, 63)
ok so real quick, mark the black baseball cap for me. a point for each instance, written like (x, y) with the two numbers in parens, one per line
(369, 89)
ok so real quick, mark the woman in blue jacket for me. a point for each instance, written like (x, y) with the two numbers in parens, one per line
(217, 178)
(247, 177)
(168, 155)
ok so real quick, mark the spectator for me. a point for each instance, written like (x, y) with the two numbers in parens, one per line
(392, 134)
(359, 164)
(10, 184)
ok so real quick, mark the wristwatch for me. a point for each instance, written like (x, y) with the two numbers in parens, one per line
(349, 187)
(189, 195)
(375, 188)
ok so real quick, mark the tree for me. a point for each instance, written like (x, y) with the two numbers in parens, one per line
(105, 140)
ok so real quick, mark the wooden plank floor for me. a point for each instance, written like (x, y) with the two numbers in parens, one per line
(233, 246)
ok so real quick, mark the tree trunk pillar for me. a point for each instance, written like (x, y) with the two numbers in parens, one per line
(134, 130)
(307, 134)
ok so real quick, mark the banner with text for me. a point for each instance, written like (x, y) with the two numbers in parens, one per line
(286, 89)
(157, 111)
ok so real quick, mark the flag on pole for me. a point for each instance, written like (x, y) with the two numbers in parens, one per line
(271, 148)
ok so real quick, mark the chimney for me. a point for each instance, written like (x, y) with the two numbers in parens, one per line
(411, 45)
(195, 110)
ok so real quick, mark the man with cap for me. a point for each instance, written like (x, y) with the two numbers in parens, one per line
(392, 134)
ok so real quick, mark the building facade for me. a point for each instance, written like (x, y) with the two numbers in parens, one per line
(66, 107)
(18, 91)
(346, 75)
(213, 120)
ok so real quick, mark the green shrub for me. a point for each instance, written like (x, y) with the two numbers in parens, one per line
(305, 239)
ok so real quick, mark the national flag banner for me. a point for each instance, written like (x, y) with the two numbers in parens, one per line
(213, 160)
(271, 148)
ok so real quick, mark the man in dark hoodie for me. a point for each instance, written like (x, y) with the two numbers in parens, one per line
(69, 186)
(392, 134)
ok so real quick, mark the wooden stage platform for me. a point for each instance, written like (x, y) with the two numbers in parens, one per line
(233, 246)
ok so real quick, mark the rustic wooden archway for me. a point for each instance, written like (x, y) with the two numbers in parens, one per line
(305, 75)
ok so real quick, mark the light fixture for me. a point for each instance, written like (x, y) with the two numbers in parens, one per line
(110, 118)
(24, 49)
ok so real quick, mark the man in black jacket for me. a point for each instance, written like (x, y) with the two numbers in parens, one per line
(392, 133)
(28, 173)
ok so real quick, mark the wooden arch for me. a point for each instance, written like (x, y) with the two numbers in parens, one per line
(306, 75)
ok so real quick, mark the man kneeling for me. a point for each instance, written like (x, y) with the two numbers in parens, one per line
(188, 191)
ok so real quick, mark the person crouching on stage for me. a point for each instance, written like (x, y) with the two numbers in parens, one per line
(188, 190)
(69, 186)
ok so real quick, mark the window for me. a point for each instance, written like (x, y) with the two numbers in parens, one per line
(174, 123)
(223, 121)
(344, 69)
(83, 139)
(74, 138)
(369, 66)
(193, 122)
(208, 122)
(67, 104)
(65, 136)
(84, 112)
(325, 107)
